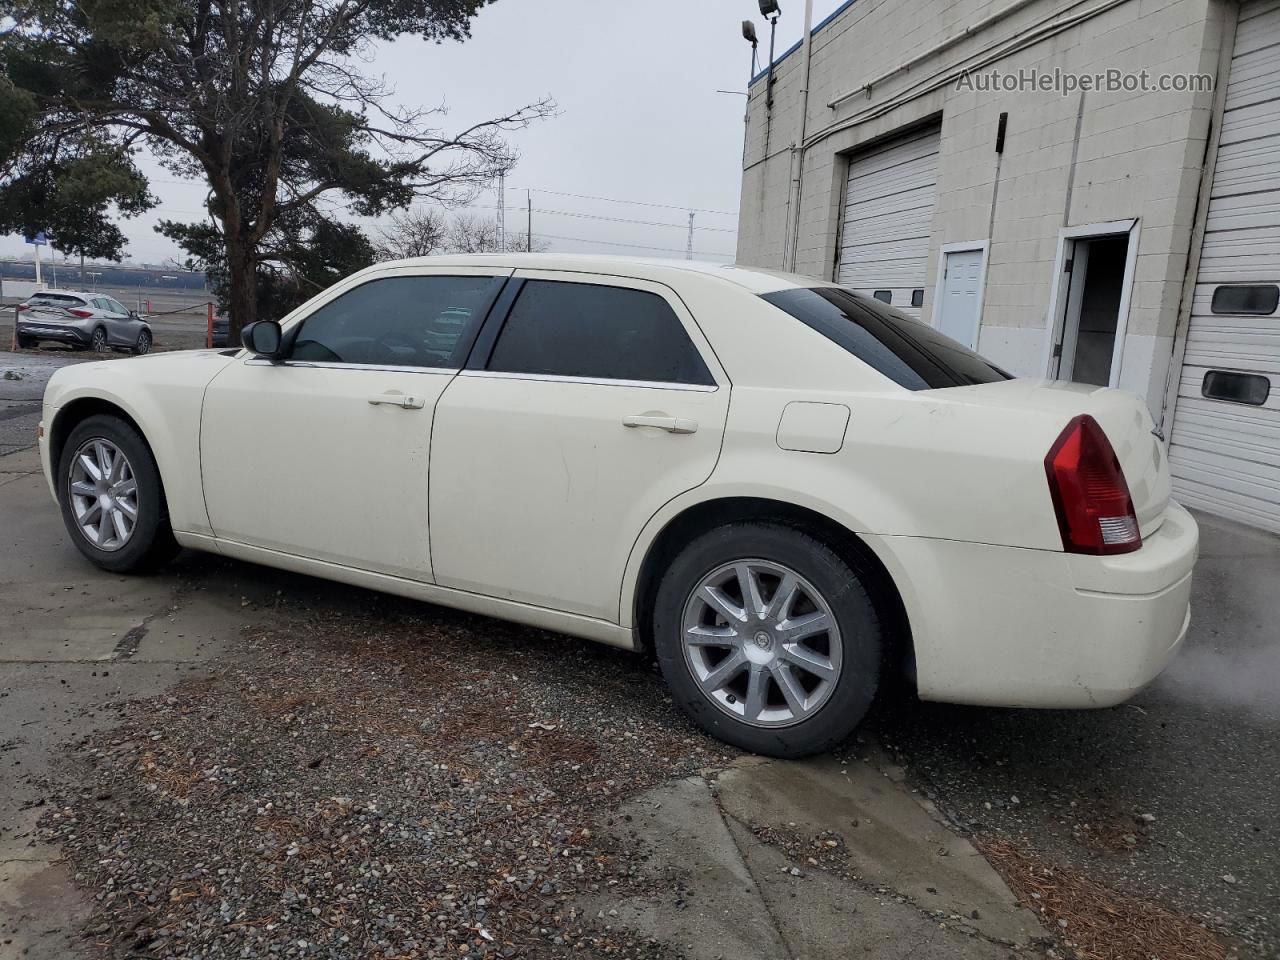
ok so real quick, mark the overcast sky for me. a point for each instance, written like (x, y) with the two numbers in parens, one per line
(639, 118)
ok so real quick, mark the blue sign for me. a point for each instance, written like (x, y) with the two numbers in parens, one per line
(39, 239)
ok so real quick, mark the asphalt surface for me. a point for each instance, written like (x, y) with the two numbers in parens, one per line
(141, 815)
(1170, 797)
(22, 379)
(1198, 751)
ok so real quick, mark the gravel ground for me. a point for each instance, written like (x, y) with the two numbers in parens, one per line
(379, 784)
(1115, 795)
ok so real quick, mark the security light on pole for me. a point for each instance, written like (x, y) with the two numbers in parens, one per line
(770, 10)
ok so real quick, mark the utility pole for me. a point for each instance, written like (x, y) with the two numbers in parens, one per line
(502, 211)
(688, 249)
(528, 234)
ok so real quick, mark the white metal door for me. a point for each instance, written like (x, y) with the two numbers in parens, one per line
(301, 459)
(540, 483)
(1225, 454)
(888, 213)
(961, 288)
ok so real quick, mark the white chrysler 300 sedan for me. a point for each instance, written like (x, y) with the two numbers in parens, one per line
(783, 489)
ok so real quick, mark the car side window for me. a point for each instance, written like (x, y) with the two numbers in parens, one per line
(558, 328)
(101, 304)
(116, 306)
(423, 321)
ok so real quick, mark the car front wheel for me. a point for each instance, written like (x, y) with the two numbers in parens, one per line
(112, 501)
(768, 639)
(143, 343)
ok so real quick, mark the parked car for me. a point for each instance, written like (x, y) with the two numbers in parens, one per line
(84, 320)
(221, 326)
(780, 488)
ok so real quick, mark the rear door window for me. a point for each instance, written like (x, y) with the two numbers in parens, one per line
(597, 332)
(414, 321)
(910, 353)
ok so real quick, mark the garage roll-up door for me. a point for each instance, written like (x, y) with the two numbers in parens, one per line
(884, 236)
(1225, 444)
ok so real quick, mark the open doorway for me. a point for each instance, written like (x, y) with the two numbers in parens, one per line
(1092, 303)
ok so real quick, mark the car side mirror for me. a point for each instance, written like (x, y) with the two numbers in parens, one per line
(263, 338)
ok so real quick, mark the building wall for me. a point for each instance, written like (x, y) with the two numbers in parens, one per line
(1068, 160)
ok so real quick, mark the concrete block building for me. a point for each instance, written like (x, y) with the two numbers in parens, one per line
(1079, 189)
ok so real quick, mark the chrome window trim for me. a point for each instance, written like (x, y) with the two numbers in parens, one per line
(331, 365)
(593, 381)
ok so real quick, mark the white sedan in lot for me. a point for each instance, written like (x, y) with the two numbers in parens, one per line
(780, 488)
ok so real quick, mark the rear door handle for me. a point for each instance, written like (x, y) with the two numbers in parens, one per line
(669, 424)
(403, 400)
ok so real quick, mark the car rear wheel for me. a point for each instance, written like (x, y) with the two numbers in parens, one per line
(98, 343)
(112, 501)
(26, 343)
(143, 343)
(768, 639)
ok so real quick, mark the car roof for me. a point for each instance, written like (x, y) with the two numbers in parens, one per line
(753, 279)
(69, 293)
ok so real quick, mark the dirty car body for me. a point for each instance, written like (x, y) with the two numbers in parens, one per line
(82, 320)
(782, 489)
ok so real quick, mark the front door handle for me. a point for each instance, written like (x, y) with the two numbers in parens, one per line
(669, 424)
(404, 400)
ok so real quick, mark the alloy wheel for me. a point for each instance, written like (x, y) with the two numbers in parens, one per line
(762, 643)
(100, 340)
(143, 344)
(104, 494)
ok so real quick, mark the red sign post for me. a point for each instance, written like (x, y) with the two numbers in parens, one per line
(208, 340)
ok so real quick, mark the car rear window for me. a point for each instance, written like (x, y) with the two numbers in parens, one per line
(910, 353)
(55, 300)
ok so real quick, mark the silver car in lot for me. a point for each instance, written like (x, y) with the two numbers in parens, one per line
(92, 321)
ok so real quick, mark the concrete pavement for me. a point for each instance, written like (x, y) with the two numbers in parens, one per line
(74, 641)
(910, 887)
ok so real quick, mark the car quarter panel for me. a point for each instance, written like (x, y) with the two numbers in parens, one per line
(162, 393)
(1057, 641)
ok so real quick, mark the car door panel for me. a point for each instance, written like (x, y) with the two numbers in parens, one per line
(540, 483)
(297, 458)
(326, 455)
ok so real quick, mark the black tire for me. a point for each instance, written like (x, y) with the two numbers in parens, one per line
(151, 543)
(98, 342)
(142, 344)
(844, 590)
(26, 343)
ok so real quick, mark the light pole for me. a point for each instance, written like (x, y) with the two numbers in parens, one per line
(770, 10)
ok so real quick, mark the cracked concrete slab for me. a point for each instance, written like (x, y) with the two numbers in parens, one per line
(723, 892)
(898, 841)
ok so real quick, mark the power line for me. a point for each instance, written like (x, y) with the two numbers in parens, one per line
(557, 193)
(638, 203)
(633, 246)
(644, 223)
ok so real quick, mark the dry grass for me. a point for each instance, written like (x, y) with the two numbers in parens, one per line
(1101, 923)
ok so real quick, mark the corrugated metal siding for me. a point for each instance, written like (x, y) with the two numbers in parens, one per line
(884, 239)
(1225, 457)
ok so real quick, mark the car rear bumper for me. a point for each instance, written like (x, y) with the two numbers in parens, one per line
(1003, 626)
(61, 332)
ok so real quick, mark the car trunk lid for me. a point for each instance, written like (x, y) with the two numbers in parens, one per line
(1122, 415)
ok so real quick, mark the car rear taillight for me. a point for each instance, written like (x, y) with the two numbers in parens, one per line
(23, 306)
(1090, 495)
(82, 314)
